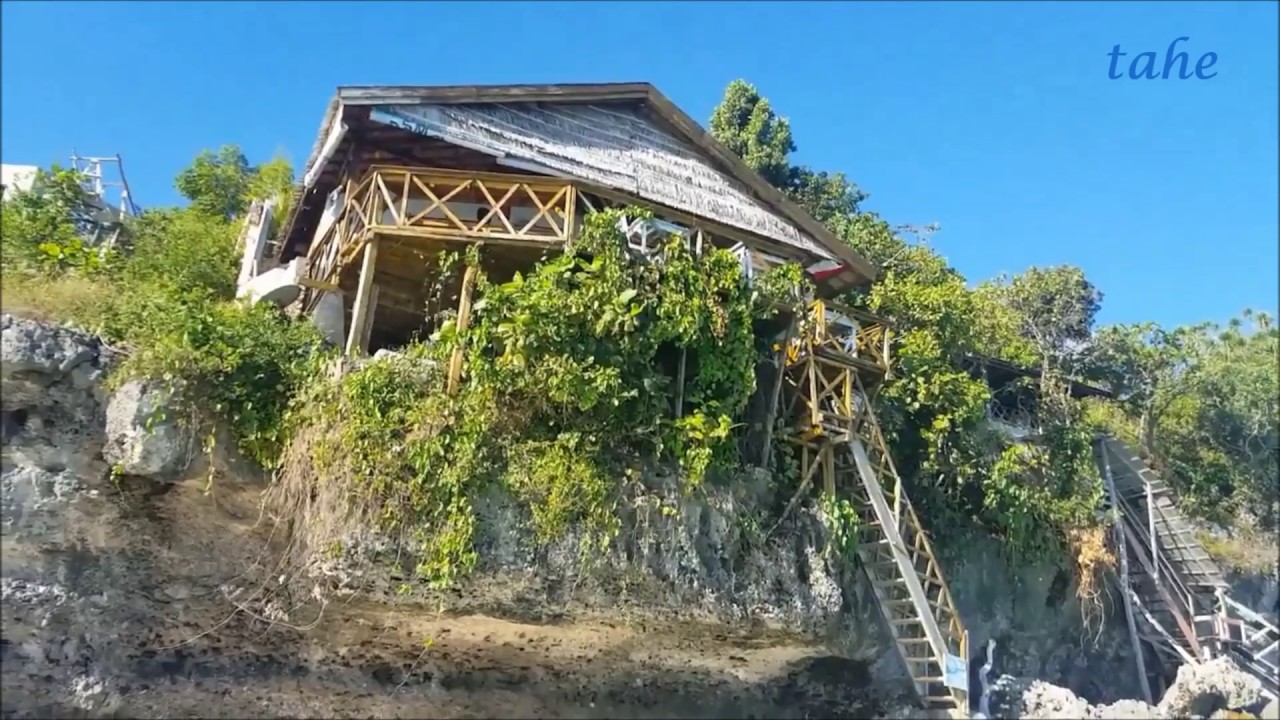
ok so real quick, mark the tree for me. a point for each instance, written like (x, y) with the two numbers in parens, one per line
(1141, 364)
(217, 183)
(1056, 306)
(223, 184)
(747, 126)
(46, 227)
(829, 198)
(1203, 402)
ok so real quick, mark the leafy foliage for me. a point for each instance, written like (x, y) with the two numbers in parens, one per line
(170, 299)
(570, 378)
(1200, 400)
(1202, 403)
(44, 227)
(222, 184)
(934, 408)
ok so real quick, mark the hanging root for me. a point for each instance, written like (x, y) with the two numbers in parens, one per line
(1093, 558)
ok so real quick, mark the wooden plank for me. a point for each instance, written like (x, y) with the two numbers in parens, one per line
(364, 291)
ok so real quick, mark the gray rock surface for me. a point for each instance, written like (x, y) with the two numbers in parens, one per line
(1198, 691)
(1202, 689)
(144, 435)
(51, 394)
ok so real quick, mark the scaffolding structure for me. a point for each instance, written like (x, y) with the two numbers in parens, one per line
(110, 200)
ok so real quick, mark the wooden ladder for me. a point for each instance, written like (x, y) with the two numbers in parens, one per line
(905, 574)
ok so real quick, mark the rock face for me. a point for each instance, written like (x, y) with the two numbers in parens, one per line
(149, 591)
(1199, 691)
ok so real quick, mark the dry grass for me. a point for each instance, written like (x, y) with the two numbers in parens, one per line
(316, 506)
(1252, 552)
(56, 299)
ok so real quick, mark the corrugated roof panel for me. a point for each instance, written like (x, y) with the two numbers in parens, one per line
(616, 147)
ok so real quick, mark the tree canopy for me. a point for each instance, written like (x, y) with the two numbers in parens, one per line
(1201, 400)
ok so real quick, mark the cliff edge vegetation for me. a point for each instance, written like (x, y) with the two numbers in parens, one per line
(567, 394)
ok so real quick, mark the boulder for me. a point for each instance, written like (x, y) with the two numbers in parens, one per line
(144, 435)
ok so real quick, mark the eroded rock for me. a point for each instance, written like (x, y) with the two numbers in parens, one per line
(51, 394)
(1202, 689)
(144, 435)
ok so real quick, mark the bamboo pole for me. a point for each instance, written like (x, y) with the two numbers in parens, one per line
(464, 320)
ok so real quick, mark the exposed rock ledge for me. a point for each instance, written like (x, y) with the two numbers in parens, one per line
(157, 593)
(1199, 691)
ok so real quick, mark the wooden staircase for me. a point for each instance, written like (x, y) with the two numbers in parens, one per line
(906, 577)
(834, 360)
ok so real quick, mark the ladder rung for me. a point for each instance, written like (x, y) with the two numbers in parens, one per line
(925, 660)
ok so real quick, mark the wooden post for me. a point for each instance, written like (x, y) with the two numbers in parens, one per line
(360, 310)
(776, 394)
(464, 319)
(367, 332)
(1151, 530)
(829, 469)
(680, 384)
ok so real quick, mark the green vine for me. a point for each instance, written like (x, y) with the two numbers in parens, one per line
(844, 523)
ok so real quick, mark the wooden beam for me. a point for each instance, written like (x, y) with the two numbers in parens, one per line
(314, 284)
(775, 395)
(360, 311)
(464, 320)
(366, 331)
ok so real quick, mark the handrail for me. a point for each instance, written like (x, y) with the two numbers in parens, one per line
(1184, 610)
(1249, 614)
(870, 337)
(934, 569)
(425, 202)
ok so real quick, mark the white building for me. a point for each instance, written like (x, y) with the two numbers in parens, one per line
(16, 177)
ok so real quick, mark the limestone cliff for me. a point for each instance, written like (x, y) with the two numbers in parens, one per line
(161, 589)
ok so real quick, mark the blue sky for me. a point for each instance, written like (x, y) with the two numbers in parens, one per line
(996, 120)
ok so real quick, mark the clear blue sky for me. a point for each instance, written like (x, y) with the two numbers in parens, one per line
(998, 121)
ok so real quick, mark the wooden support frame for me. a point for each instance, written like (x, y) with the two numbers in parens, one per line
(364, 293)
(832, 365)
(464, 320)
